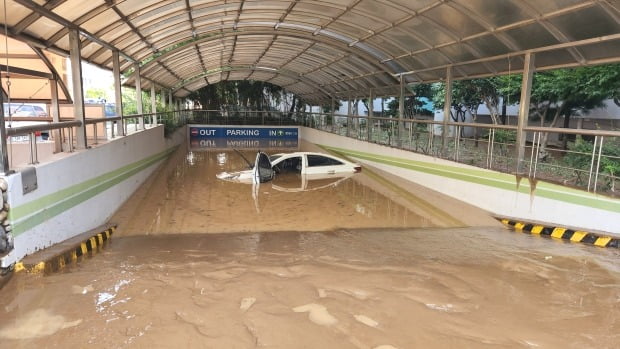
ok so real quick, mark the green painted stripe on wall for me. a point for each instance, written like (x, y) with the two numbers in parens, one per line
(492, 179)
(56, 203)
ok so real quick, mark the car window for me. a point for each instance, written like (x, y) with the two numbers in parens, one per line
(39, 110)
(110, 110)
(24, 110)
(319, 160)
(292, 164)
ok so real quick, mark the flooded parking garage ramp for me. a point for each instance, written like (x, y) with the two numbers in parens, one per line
(361, 261)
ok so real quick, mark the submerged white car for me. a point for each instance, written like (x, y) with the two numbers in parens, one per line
(305, 163)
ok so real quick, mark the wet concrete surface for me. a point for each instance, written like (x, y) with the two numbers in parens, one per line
(199, 263)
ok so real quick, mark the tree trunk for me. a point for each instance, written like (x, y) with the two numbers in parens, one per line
(566, 125)
(493, 110)
(503, 111)
(545, 137)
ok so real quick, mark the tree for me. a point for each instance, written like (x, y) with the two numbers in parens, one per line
(565, 92)
(97, 93)
(247, 94)
(470, 94)
(130, 105)
(415, 104)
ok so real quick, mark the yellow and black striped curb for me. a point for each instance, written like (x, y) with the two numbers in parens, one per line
(563, 233)
(69, 256)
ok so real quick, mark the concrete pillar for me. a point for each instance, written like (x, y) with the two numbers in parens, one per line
(446, 110)
(524, 108)
(153, 106)
(401, 112)
(55, 111)
(163, 97)
(118, 96)
(170, 99)
(79, 113)
(371, 114)
(140, 110)
(4, 154)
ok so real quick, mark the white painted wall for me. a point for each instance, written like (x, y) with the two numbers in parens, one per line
(500, 202)
(79, 167)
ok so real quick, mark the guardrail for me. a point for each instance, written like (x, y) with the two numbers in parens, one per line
(63, 133)
(591, 160)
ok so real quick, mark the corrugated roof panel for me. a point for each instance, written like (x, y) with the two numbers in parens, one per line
(363, 42)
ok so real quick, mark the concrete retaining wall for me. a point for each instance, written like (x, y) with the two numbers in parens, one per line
(81, 191)
(499, 193)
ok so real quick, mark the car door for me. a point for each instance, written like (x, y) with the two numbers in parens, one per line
(262, 171)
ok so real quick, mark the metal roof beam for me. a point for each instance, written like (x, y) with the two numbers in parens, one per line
(31, 5)
(133, 28)
(295, 34)
(31, 18)
(537, 50)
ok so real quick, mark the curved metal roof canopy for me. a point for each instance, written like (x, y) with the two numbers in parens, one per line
(319, 49)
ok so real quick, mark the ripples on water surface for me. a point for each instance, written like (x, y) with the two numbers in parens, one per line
(363, 286)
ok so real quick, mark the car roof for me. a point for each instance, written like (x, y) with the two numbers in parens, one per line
(303, 153)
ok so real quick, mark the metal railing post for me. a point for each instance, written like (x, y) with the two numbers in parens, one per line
(70, 140)
(598, 164)
(95, 134)
(34, 158)
(592, 162)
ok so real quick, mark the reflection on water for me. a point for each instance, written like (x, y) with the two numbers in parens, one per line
(412, 288)
(186, 197)
(340, 263)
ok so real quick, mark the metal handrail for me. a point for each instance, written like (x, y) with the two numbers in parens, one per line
(495, 149)
(24, 130)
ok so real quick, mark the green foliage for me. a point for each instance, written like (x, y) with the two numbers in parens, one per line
(243, 94)
(98, 93)
(580, 157)
(130, 106)
(573, 90)
(414, 105)
(328, 107)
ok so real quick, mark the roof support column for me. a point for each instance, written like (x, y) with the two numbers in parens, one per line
(371, 114)
(139, 106)
(153, 106)
(349, 113)
(4, 154)
(118, 96)
(447, 107)
(162, 93)
(401, 112)
(333, 114)
(79, 113)
(55, 111)
(170, 99)
(524, 107)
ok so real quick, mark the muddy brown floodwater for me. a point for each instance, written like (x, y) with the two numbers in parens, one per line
(200, 263)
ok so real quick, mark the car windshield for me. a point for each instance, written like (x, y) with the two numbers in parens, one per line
(110, 110)
(14, 108)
